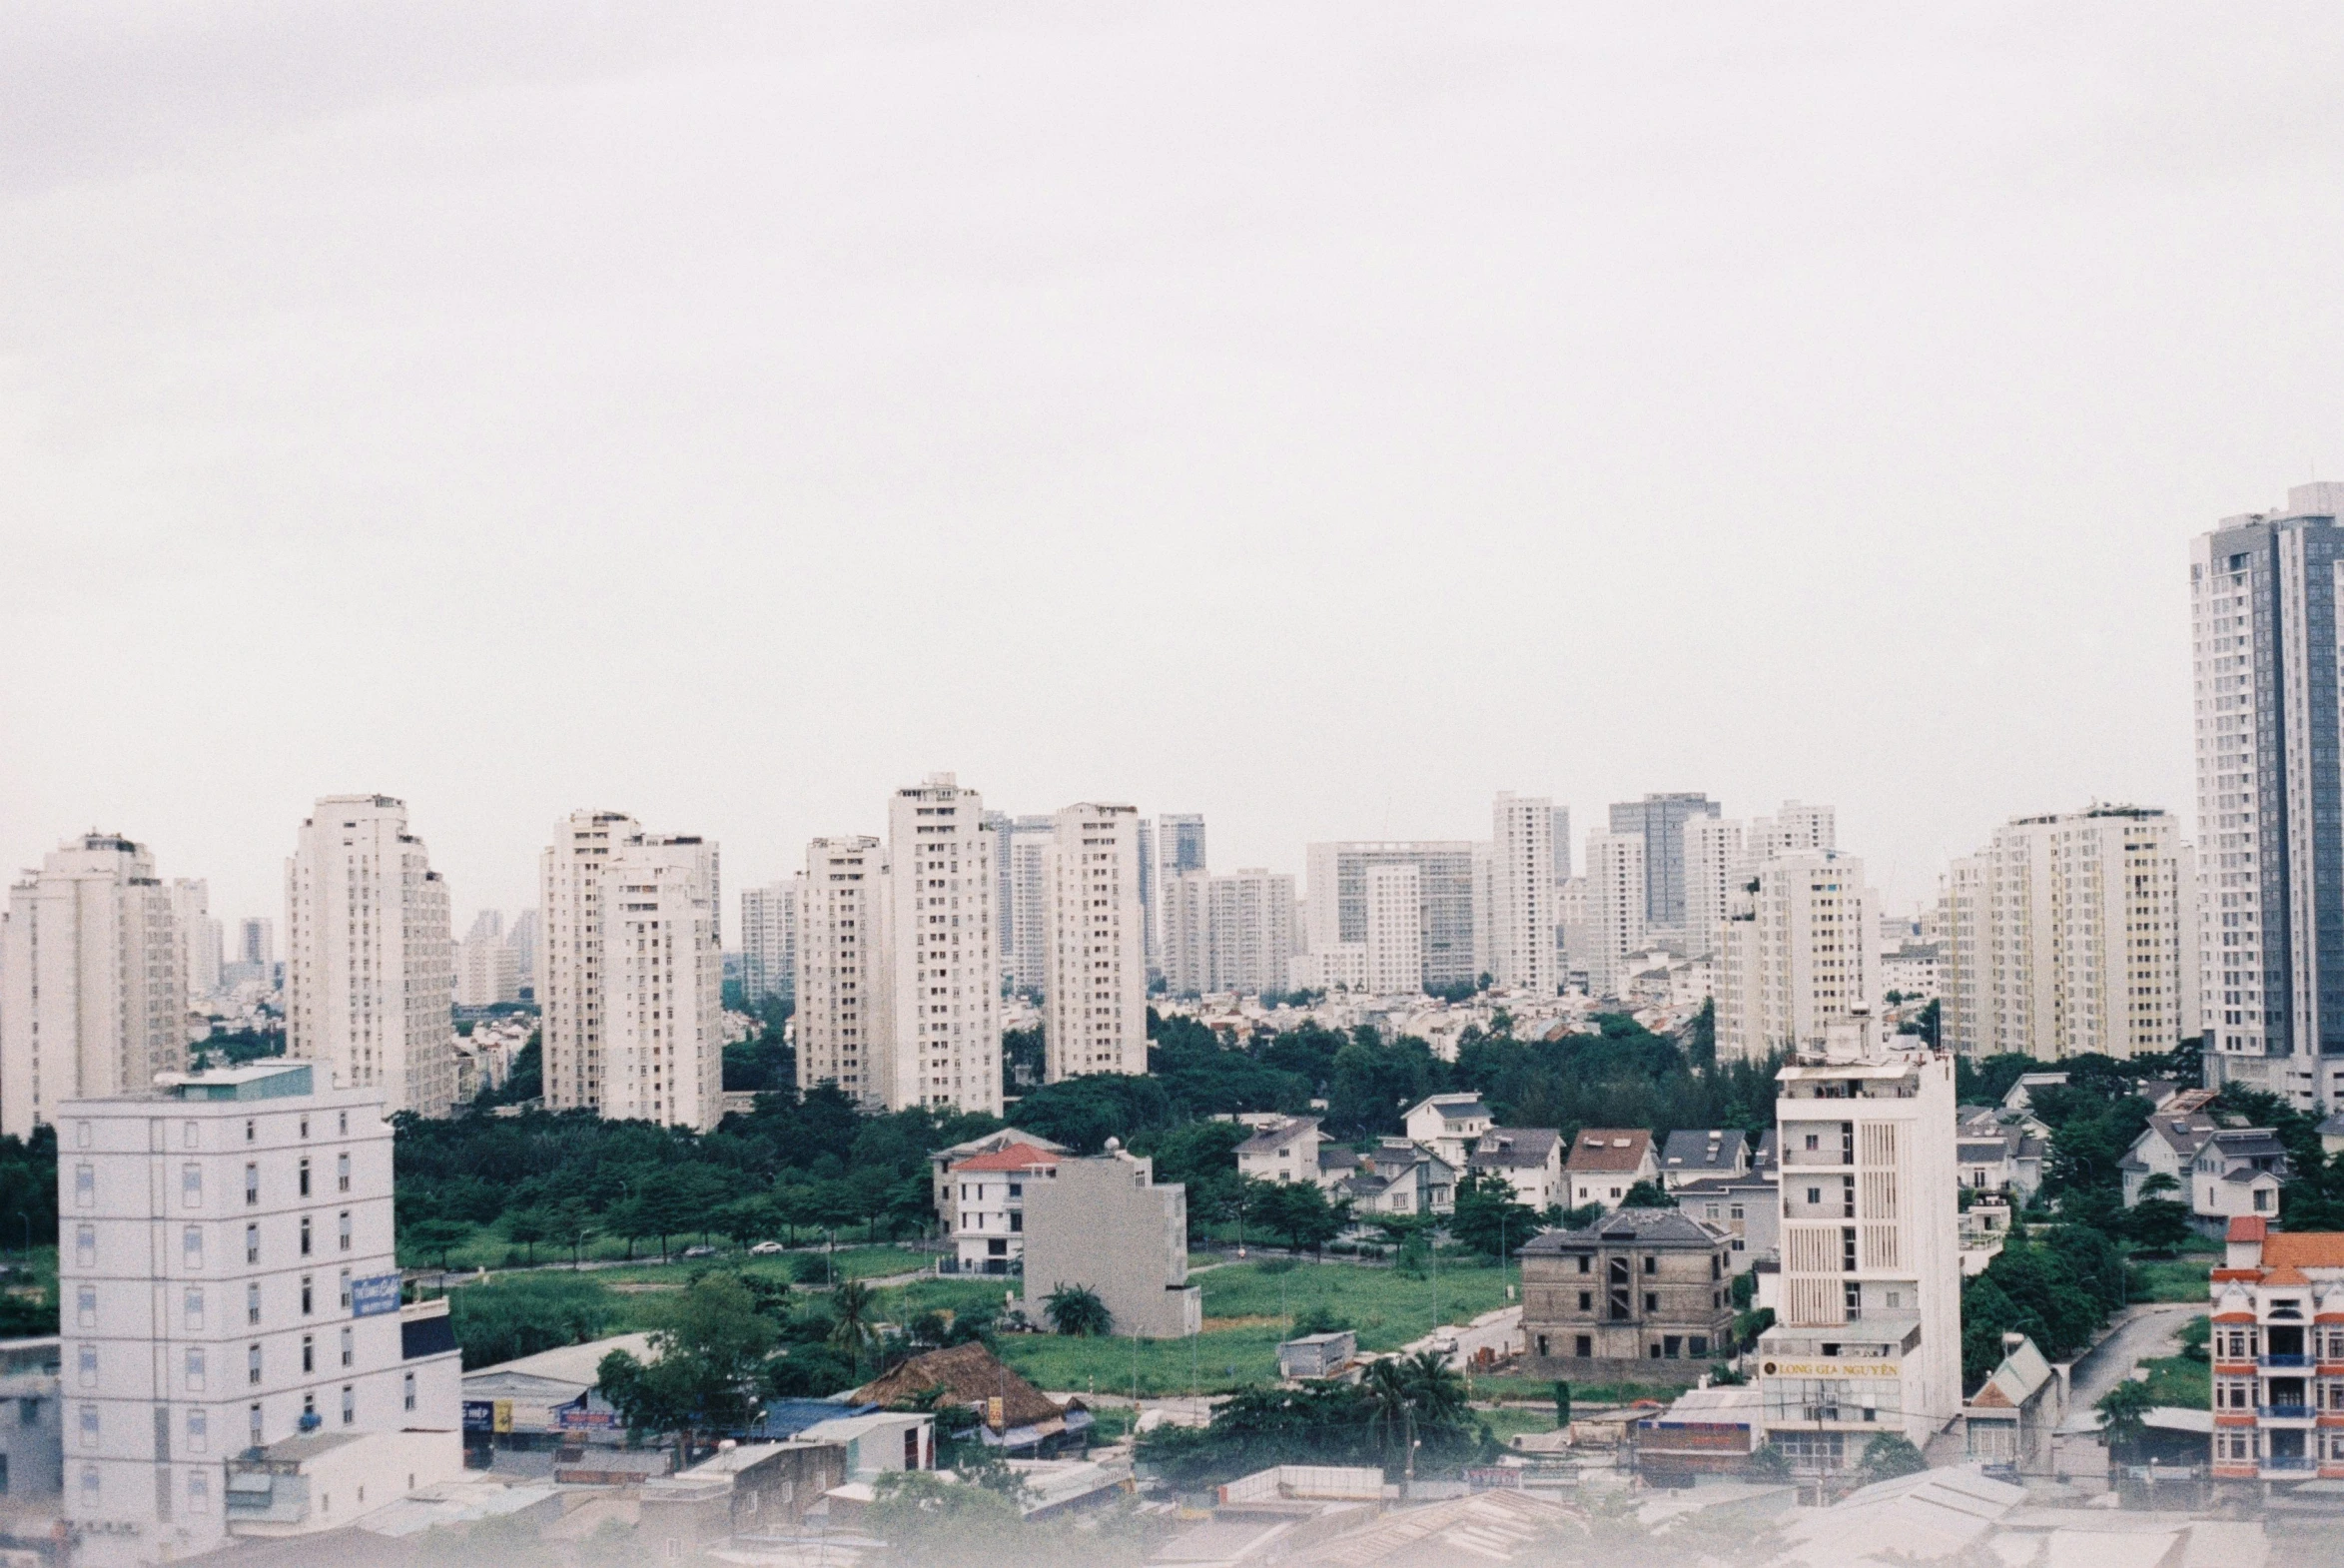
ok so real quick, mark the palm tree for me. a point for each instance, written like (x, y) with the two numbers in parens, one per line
(1435, 1388)
(855, 1309)
(1077, 1310)
(1387, 1383)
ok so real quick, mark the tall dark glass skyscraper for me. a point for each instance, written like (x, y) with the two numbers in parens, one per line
(1660, 821)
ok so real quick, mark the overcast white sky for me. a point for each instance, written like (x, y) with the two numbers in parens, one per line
(1320, 417)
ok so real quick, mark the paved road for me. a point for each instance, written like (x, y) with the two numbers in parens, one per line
(2149, 1332)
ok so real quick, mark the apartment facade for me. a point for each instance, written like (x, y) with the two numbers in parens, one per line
(2277, 1308)
(200, 951)
(227, 1281)
(1522, 901)
(844, 1001)
(92, 997)
(1615, 909)
(1715, 852)
(1395, 930)
(1337, 874)
(769, 943)
(370, 967)
(1107, 1224)
(2262, 604)
(1095, 1007)
(941, 964)
(662, 1000)
(989, 1205)
(1797, 956)
(1021, 900)
(2069, 935)
(1868, 1330)
(570, 984)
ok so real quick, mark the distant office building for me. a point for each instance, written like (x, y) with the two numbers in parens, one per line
(227, 1281)
(1797, 955)
(1094, 1004)
(1229, 933)
(254, 957)
(92, 997)
(199, 936)
(2066, 937)
(1660, 821)
(769, 943)
(1022, 899)
(487, 925)
(1395, 932)
(662, 983)
(1169, 846)
(1339, 899)
(369, 978)
(843, 996)
(1184, 932)
(1577, 935)
(1522, 914)
(1615, 909)
(2262, 605)
(1179, 842)
(487, 970)
(941, 964)
(1563, 879)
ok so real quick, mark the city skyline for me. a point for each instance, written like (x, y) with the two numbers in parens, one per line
(1797, 416)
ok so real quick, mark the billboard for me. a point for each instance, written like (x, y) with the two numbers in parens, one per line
(373, 1295)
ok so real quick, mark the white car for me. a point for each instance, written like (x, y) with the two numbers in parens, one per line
(766, 1249)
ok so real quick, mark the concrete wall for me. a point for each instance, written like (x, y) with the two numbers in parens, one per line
(1103, 1223)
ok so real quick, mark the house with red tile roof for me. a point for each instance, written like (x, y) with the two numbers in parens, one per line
(986, 1192)
(1604, 1162)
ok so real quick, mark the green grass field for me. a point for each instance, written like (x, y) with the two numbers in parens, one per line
(2172, 1280)
(1248, 1309)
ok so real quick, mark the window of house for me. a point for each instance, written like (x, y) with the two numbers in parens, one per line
(348, 1350)
(309, 1352)
(252, 1364)
(345, 1231)
(304, 1236)
(251, 1304)
(251, 1185)
(408, 1391)
(342, 1174)
(191, 1245)
(85, 1307)
(85, 1187)
(252, 1244)
(86, 1366)
(349, 1403)
(303, 1174)
(191, 1186)
(194, 1368)
(199, 1431)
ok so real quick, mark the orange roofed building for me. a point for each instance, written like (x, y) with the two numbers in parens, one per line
(2278, 1354)
(988, 1205)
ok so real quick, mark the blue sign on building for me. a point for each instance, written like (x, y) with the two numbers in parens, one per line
(375, 1294)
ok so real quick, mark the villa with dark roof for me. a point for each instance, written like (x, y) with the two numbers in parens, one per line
(1640, 1294)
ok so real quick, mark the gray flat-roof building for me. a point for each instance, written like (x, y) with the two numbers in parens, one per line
(1107, 1226)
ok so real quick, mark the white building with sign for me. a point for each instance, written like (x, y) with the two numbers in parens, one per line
(1868, 1330)
(225, 1280)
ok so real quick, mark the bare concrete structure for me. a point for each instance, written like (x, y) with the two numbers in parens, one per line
(1106, 1226)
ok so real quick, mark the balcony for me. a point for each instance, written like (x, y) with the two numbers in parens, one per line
(2285, 1412)
(2284, 1360)
(2294, 1464)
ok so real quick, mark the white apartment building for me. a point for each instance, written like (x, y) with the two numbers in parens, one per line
(2067, 935)
(92, 997)
(942, 964)
(1797, 956)
(1867, 1321)
(1522, 915)
(2262, 598)
(662, 1001)
(1095, 1010)
(1342, 967)
(488, 972)
(1715, 851)
(1168, 844)
(569, 979)
(1795, 826)
(1338, 908)
(1395, 932)
(369, 970)
(1573, 934)
(1615, 909)
(1183, 931)
(226, 1279)
(769, 942)
(523, 937)
(989, 1205)
(199, 936)
(842, 1016)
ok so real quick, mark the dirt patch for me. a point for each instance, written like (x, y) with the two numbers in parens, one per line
(1243, 1322)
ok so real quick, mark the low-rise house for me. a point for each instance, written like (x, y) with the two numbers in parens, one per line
(2020, 1095)
(1529, 1158)
(1748, 1208)
(32, 1446)
(2166, 1147)
(940, 1163)
(879, 1442)
(539, 1403)
(2237, 1171)
(2005, 1160)
(1704, 1431)
(2332, 1132)
(972, 1382)
(1604, 1162)
(1108, 1225)
(2277, 1309)
(1640, 1294)
(1401, 1178)
(1285, 1153)
(1450, 1124)
(988, 1214)
(2012, 1419)
(1693, 1154)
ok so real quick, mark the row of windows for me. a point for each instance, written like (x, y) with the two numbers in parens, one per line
(85, 1242)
